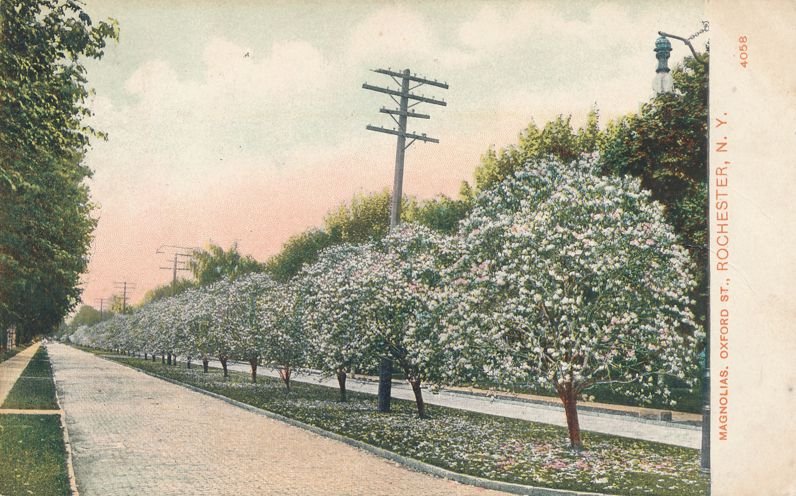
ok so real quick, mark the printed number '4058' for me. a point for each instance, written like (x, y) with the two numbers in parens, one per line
(743, 53)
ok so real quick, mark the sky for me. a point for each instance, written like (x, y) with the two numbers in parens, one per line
(245, 122)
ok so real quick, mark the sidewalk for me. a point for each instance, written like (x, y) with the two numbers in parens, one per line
(134, 434)
(11, 369)
(525, 407)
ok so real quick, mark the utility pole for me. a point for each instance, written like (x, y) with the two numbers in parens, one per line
(178, 264)
(124, 286)
(405, 80)
(101, 301)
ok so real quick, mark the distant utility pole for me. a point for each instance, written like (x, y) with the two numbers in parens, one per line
(408, 82)
(124, 286)
(178, 264)
(101, 301)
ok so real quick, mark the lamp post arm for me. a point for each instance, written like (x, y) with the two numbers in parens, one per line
(688, 44)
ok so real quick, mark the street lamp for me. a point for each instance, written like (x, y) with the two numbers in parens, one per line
(663, 84)
(663, 78)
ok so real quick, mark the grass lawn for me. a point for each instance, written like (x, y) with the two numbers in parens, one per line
(32, 456)
(34, 390)
(6, 354)
(486, 446)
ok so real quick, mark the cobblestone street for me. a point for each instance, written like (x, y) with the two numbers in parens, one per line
(133, 434)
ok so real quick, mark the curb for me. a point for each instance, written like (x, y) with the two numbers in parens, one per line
(410, 463)
(70, 468)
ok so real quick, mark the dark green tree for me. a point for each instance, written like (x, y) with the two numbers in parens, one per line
(88, 316)
(45, 207)
(557, 139)
(665, 144)
(167, 290)
(117, 305)
(297, 251)
(365, 218)
(214, 263)
(441, 213)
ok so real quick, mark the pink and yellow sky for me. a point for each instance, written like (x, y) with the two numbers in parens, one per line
(246, 122)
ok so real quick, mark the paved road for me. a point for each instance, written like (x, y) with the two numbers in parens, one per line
(132, 434)
(618, 425)
(11, 369)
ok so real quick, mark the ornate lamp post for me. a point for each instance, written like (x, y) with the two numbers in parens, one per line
(662, 83)
(663, 78)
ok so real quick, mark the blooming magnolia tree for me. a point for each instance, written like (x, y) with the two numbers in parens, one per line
(166, 316)
(280, 312)
(89, 335)
(397, 309)
(186, 332)
(197, 313)
(240, 322)
(221, 337)
(558, 276)
(334, 327)
(124, 332)
(570, 279)
(148, 326)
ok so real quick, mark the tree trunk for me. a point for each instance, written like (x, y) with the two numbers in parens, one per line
(188, 360)
(146, 356)
(223, 361)
(341, 376)
(253, 363)
(421, 407)
(284, 374)
(168, 362)
(162, 359)
(569, 397)
(385, 385)
(204, 364)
